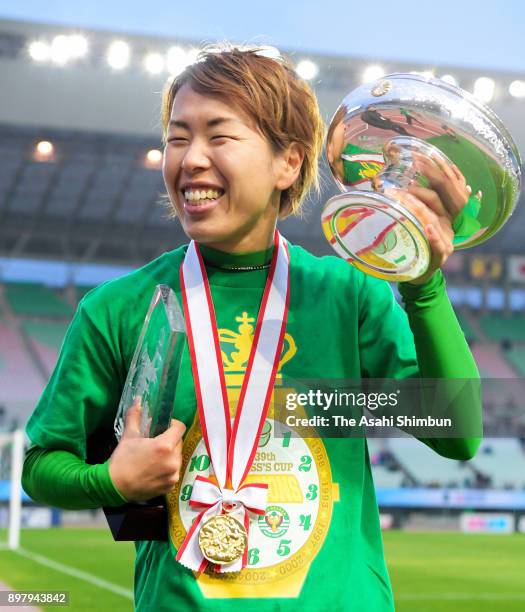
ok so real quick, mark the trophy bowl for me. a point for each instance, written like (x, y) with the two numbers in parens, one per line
(375, 136)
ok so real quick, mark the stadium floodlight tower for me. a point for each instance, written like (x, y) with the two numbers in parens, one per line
(15, 441)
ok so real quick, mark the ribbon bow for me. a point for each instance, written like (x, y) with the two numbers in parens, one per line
(214, 500)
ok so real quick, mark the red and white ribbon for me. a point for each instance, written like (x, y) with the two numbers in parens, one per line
(231, 448)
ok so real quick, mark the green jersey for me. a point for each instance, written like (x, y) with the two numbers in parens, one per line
(319, 543)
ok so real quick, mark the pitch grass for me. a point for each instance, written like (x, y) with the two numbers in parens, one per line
(430, 572)
(456, 572)
(88, 550)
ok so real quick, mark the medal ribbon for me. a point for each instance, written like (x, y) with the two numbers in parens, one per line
(231, 449)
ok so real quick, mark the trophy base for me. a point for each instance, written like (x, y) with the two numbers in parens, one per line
(132, 521)
(376, 234)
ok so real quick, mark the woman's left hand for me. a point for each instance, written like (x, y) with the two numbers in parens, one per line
(436, 207)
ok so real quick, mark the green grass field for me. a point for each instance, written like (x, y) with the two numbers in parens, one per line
(431, 572)
(455, 572)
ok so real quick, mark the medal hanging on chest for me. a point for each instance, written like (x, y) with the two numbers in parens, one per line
(220, 532)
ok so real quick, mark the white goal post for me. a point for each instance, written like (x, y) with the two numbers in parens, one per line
(15, 441)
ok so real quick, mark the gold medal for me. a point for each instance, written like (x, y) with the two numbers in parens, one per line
(222, 539)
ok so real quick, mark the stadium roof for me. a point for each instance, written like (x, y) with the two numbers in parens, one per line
(95, 197)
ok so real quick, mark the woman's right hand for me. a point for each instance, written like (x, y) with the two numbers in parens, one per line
(142, 468)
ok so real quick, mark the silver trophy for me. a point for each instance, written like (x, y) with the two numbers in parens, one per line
(373, 140)
(153, 375)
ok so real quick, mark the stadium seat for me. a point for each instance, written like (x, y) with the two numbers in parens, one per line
(35, 300)
(503, 460)
(499, 327)
(466, 326)
(491, 363)
(426, 466)
(19, 379)
(386, 479)
(46, 339)
(516, 357)
(81, 291)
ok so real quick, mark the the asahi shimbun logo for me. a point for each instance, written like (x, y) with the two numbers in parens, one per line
(275, 522)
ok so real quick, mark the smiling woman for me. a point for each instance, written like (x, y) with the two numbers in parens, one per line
(264, 95)
(243, 135)
(293, 525)
(222, 176)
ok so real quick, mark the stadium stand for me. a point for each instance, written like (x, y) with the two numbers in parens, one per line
(490, 362)
(35, 300)
(33, 322)
(81, 291)
(387, 479)
(45, 338)
(516, 357)
(498, 327)
(399, 462)
(503, 461)
(388, 472)
(427, 467)
(19, 378)
(466, 326)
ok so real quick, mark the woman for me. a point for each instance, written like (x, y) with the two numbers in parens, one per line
(242, 139)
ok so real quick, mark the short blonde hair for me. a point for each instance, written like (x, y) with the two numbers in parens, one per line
(268, 90)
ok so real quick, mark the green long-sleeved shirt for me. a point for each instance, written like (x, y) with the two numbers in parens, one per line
(342, 324)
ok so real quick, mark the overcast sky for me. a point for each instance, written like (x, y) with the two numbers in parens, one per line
(459, 33)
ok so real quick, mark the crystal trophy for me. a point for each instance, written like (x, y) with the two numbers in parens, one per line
(154, 370)
(152, 377)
